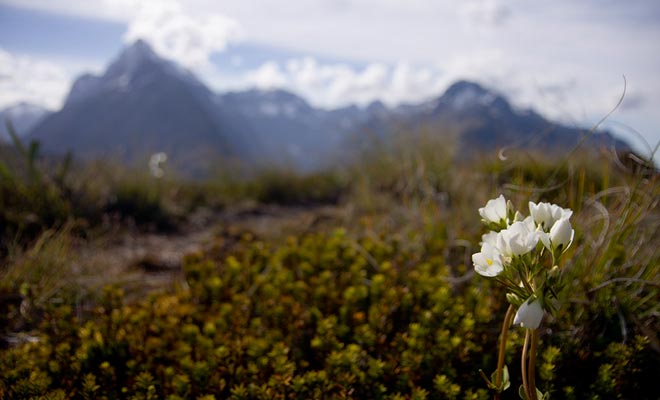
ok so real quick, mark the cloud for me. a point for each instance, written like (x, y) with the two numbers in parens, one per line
(633, 102)
(410, 84)
(484, 13)
(28, 79)
(568, 62)
(333, 85)
(187, 39)
(267, 76)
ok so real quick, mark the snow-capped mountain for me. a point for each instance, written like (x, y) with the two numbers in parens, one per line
(487, 121)
(143, 104)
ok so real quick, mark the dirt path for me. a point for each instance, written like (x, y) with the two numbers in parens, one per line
(143, 262)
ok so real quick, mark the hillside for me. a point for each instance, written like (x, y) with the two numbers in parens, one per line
(352, 283)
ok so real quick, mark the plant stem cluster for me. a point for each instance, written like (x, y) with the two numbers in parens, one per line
(522, 253)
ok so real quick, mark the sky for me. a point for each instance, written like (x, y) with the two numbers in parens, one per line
(566, 59)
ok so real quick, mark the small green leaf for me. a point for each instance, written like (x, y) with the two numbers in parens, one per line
(505, 378)
(513, 298)
(539, 395)
(504, 385)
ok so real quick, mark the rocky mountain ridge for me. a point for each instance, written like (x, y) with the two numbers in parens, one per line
(144, 104)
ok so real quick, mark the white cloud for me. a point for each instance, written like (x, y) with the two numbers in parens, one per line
(187, 39)
(564, 58)
(28, 79)
(338, 84)
(267, 76)
(410, 84)
(484, 13)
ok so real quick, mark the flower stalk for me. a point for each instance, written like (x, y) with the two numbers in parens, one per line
(508, 318)
(523, 365)
(516, 253)
(531, 370)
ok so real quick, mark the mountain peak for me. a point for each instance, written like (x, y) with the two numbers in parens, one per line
(141, 45)
(140, 49)
(376, 108)
(463, 86)
(464, 94)
(132, 58)
(137, 66)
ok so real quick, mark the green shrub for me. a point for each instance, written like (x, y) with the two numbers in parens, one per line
(385, 308)
(291, 188)
(140, 201)
(313, 318)
(30, 200)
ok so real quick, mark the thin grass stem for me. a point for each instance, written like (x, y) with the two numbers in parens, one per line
(532, 361)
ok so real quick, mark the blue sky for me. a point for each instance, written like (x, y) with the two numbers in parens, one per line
(564, 58)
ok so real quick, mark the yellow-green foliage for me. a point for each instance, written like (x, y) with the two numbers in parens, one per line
(321, 316)
(385, 308)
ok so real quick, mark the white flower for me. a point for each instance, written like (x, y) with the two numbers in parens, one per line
(561, 234)
(495, 210)
(518, 239)
(490, 238)
(546, 214)
(529, 314)
(155, 163)
(529, 222)
(489, 261)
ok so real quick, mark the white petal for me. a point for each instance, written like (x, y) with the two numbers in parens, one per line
(495, 210)
(488, 270)
(488, 262)
(490, 238)
(561, 233)
(545, 239)
(529, 315)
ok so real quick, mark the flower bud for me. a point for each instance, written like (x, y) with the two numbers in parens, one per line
(512, 298)
(561, 234)
(529, 314)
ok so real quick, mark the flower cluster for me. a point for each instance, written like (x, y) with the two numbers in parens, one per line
(515, 253)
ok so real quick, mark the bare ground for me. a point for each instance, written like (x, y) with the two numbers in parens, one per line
(143, 262)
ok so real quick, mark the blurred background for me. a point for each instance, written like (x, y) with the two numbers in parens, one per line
(564, 61)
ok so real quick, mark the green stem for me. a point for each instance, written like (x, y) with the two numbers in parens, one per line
(532, 360)
(500, 358)
(525, 282)
(523, 364)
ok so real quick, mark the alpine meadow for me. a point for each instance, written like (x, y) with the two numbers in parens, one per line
(217, 211)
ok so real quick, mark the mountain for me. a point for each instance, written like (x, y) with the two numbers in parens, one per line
(144, 104)
(278, 127)
(487, 121)
(23, 116)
